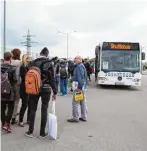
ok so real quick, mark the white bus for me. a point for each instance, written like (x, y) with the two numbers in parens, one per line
(118, 63)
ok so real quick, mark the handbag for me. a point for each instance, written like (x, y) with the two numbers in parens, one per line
(78, 96)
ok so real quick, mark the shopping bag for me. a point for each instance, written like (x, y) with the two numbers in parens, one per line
(69, 84)
(53, 123)
(74, 85)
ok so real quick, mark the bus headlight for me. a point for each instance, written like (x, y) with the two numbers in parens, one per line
(103, 78)
(136, 80)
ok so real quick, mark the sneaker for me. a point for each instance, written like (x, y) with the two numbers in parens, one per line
(27, 123)
(5, 127)
(73, 120)
(81, 119)
(28, 134)
(43, 136)
(14, 121)
(21, 124)
(63, 94)
(9, 129)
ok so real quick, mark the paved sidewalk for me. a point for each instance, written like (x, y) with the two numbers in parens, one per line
(116, 122)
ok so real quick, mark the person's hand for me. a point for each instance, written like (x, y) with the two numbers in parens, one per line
(53, 97)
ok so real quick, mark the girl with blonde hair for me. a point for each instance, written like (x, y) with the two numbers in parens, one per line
(23, 95)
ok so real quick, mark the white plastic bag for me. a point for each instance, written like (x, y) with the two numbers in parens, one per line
(53, 123)
(74, 85)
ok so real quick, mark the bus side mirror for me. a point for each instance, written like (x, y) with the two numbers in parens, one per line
(143, 56)
(97, 50)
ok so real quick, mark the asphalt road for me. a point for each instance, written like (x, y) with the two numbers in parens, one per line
(117, 121)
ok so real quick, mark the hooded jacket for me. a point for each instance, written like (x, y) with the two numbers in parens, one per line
(15, 62)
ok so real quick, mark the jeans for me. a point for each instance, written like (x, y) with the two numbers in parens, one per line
(45, 97)
(16, 102)
(6, 118)
(63, 85)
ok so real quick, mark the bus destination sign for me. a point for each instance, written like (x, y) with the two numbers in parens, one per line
(120, 46)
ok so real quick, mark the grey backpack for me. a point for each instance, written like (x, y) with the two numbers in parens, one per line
(5, 83)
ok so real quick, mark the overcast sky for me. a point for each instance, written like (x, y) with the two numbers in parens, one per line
(95, 21)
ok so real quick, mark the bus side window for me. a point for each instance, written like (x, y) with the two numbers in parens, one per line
(143, 56)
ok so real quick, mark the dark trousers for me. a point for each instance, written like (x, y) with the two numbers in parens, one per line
(25, 104)
(45, 97)
(6, 117)
(57, 82)
(88, 74)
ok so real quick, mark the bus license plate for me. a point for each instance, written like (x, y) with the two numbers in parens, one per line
(119, 83)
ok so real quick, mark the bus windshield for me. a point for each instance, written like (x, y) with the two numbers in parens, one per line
(120, 60)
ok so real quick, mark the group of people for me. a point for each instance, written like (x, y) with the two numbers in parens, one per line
(64, 73)
(17, 84)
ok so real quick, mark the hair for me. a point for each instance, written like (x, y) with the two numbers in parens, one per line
(44, 52)
(8, 56)
(16, 54)
(79, 58)
(26, 59)
(56, 58)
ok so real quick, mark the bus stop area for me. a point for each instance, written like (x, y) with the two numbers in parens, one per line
(116, 122)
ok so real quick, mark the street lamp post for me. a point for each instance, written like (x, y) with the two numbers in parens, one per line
(4, 32)
(67, 36)
(67, 47)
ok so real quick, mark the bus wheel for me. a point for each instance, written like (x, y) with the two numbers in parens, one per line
(129, 86)
(101, 85)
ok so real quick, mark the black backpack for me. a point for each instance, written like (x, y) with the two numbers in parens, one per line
(63, 72)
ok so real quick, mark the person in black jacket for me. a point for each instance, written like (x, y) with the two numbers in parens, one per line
(88, 69)
(57, 72)
(70, 68)
(23, 95)
(70, 71)
(7, 99)
(48, 82)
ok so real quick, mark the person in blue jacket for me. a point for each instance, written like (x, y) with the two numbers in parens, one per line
(80, 76)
